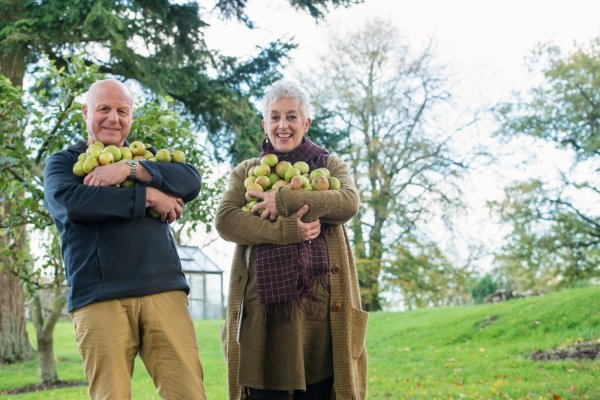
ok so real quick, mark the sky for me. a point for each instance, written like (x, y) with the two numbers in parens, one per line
(484, 43)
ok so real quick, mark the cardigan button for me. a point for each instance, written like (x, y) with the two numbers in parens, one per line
(335, 270)
(336, 307)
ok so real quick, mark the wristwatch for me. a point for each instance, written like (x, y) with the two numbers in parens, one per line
(133, 164)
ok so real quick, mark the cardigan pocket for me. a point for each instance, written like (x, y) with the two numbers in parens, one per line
(359, 331)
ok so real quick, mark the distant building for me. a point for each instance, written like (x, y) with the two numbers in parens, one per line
(205, 278)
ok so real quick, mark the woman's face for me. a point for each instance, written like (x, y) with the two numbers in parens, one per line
(284, 124)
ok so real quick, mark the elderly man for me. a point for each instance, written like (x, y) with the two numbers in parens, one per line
(127, 292)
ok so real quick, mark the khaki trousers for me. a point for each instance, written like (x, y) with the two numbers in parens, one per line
(111, 333)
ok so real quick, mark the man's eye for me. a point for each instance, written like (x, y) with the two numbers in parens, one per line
(291, 117)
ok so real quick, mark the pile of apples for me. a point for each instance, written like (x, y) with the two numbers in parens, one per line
(98, 154)
(272, 174)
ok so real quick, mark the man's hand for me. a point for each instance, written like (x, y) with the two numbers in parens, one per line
(267, 202)
(108, 175)
(169, 207)
(308, 230)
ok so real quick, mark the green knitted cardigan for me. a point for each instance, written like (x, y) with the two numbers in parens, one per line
(348, 321)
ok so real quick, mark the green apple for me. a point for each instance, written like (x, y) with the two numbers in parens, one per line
(106, 158)
(163, 155)
(139, 158)
(93, 152)
(98, 143)
(78, 168)
(263, 181)
(320, 183)
(127, 183)
(319, 172)
(281, 167)
(82, 157)
(137, 148)
(89, 164)
(150, 148)
(299, 182)
(253, 187)
(125, 153)
(262, 170)
(302, 166)
(177, 156)
(114, 150)
(334, 183)
(153, 214)
(148, 155)
(249, 180)
(269, 159)
(291, 172)
(273, 177)
(279, 184)
(251, 172)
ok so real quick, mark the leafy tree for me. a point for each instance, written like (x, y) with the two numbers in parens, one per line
(55, 121)
(158, 43)
(424, 276)
(14, 343)
(385, 98)
(555, 235)
(484, 286)
(549, 244)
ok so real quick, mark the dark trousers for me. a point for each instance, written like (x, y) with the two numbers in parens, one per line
(317, 391)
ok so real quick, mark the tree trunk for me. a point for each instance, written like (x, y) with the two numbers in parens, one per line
(44, 326)
(14, 343)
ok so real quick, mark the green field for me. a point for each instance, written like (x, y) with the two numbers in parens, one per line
(472, 352)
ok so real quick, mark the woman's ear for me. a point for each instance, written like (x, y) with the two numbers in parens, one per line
(307, 124)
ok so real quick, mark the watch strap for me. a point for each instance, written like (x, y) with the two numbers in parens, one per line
(133, 164)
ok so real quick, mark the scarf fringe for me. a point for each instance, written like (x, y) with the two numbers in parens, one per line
(276, 313)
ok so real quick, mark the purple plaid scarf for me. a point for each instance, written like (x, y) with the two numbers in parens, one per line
(288, 273)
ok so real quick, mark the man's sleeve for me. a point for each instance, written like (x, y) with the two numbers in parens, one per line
(179, 179)
(67, 198)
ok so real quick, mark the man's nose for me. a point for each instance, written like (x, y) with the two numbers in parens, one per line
(113, 116)
(282, 123)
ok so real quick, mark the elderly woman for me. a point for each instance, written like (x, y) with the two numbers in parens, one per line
(294, 325)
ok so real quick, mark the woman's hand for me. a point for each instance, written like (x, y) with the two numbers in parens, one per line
(267, 202)
(308, 230)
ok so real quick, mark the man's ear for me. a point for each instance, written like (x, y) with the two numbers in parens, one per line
(84, 110)
(262, 122)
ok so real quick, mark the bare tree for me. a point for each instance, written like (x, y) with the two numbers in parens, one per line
(387, 99)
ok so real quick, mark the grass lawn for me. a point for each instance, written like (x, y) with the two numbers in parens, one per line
(471, 352)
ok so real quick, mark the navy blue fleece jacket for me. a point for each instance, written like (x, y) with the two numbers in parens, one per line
(111, 248)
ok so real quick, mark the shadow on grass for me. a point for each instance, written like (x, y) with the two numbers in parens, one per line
(580, 351)
(40, 387)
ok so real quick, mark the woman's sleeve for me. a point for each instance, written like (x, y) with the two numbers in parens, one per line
(333, 206)
(244, 228)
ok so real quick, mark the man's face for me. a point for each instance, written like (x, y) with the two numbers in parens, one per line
(108, 114)
(284, 124)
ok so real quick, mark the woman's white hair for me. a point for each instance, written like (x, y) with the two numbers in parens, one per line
(287, 88)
